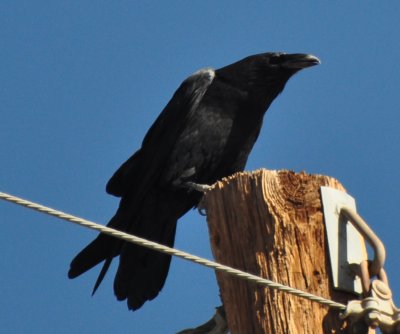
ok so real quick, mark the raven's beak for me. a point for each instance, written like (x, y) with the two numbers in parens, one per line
(297, 61)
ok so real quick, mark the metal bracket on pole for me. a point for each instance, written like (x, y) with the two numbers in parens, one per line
(346, 246)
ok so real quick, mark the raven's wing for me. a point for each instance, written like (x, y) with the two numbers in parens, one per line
(137, 175)
(163, 134)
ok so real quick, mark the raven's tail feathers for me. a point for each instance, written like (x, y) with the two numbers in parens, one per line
(142, 272)
(102, 248)
(102, 274)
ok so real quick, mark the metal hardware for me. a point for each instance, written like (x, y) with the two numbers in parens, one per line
(377, 245)
(346, 246)
(377, 309)
(216, 325)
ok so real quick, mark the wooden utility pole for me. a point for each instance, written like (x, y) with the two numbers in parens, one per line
(270, 223)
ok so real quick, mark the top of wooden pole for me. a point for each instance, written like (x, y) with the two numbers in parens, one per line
(270, 223)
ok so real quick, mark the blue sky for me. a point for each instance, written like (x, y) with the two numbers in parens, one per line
(82, 81)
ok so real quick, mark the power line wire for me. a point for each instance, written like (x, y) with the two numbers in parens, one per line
(168, 250)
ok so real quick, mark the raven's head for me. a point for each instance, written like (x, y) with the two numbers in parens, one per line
(264, 75)
(279, 60)
(276, 63)
(266, 69)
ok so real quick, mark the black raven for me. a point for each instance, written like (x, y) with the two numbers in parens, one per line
(205, 132)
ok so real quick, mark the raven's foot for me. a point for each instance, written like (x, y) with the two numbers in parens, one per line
(198, 187)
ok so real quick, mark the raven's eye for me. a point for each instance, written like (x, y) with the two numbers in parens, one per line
(275, 60)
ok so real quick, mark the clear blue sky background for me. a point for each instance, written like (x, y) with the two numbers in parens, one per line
(82, 81)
